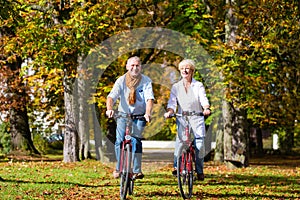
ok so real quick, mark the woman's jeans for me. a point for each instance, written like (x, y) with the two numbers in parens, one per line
(137, 129)
(199, 148)
(199, 144)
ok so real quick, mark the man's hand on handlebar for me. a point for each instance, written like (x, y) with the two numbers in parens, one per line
(147, 117)
(110, 113)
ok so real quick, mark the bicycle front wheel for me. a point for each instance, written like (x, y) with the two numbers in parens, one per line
(185, 172)
(125, 170)
(131, 186)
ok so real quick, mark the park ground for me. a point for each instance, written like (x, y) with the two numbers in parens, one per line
(268, 177)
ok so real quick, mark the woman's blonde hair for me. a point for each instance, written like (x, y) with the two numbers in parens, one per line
(187, 62)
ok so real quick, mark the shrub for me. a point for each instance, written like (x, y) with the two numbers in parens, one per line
(40, 143)
(5, 138)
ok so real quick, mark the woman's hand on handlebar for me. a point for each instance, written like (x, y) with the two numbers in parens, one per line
(110, 113)
(169, 114)
(206, 111)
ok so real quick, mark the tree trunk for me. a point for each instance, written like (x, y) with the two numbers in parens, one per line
(98, 135)
(227, 119)
(71, 138)
(260, 147)
(236, 148)
(219, 150)
(20, 133)
(83, 110)
(287, 141)
(19, 124)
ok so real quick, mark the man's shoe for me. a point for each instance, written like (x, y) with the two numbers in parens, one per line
(200, 177)
(139, 175)
(116, 174)
(174, 172)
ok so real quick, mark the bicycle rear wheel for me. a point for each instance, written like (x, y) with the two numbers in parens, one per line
(185, 172)
(125, 170)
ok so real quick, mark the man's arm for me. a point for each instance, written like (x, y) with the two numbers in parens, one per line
(109, 107)
(149, 106)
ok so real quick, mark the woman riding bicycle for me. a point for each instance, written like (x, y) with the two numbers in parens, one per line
(134, 90)
(189, 95)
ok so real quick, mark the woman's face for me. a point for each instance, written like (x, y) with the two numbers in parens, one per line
(186, 72)
(134, 68)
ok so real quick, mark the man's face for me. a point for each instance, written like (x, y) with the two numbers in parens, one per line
(134, 68)
(186, 71)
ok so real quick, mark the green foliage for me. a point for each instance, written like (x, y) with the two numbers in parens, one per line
(57, 145)
(167, 132)
(5, 138)
(286, 144)
(46, 147)
(40, 143)
(193, 19)
(260, 69)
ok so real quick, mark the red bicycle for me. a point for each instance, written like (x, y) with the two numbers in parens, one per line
(186, 158)
(126, 174)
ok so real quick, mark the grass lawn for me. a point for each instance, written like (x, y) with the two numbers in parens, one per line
(265, 178)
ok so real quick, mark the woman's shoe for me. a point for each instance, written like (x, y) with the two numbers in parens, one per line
(200, 177)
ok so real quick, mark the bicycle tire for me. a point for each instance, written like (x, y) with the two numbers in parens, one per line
(185, 172)
(125, 171)
(131, 186)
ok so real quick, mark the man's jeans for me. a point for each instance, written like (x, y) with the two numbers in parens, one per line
(137, 129)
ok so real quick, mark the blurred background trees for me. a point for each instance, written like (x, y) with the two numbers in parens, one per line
(254, 47)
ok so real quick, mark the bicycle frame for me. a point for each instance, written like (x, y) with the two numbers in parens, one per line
(185, 159)
(127, 140)
(126, 174)
(188, 144)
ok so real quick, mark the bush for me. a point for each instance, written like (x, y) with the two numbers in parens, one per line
(47, 145)
(40, 143)
(168, 131)
(5, 138)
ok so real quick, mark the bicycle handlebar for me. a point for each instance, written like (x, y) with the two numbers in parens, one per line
(187, 113)
(118, 114)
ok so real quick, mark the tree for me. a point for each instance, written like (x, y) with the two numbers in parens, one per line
(14, 97)
(59, 36)
(271, 43)
(69, 31)
(234, 117)
(260, 65)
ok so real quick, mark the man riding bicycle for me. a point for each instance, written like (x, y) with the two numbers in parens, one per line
(134, 90)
